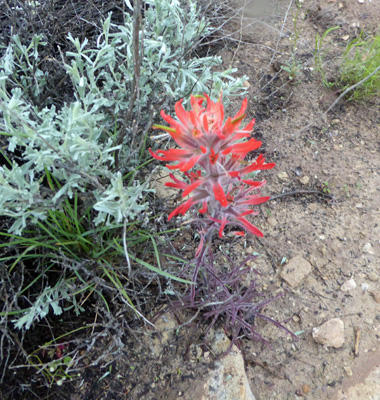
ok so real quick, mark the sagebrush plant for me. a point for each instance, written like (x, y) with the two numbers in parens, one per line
(71, 194)
(212, 156)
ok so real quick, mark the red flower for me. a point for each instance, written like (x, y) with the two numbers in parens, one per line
(206, 141)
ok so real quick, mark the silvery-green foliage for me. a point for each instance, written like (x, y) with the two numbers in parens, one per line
(20, 196)
(76, 143)
(20, 65)
(170, 30)
(50, 297)
(116, 202)
(70, 144)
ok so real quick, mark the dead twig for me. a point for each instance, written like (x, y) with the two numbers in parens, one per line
(358, 334)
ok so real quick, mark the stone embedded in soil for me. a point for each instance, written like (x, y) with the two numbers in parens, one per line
(364, 389)
(295, 271)
(158, 184)
(305, 180)
(349, 285)
(219, 342)
(249, 250)
(330, 334)
(367, 248)
(348, 371)
(283, 176)
(376, 296)
(227, 381)
(373, 276)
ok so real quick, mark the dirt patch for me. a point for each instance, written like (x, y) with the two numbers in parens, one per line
(339, 156)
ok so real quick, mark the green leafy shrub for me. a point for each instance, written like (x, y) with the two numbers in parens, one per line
(73, 199)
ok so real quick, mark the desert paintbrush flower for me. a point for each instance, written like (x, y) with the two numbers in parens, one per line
(214, 150)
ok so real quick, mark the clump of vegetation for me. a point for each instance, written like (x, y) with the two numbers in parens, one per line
(359, 68)
(79, 232)
(361, 60)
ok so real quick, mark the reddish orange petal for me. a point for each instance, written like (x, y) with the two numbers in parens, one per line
(219, 195)
(191, 187)
(242, 109)
(244, 147)
(204, 208)
(255, 200)
(251, 228)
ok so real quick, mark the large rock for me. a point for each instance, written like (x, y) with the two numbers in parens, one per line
(295, 271)
(369, 389)
(227, 381)
(331, 333)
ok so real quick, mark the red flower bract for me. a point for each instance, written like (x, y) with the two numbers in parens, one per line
(217, 149)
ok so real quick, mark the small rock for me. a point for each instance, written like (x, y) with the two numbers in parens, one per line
(348, 371)
(246, 84)
(361, 1)
(331, 333)
(376, 296)
(305, 389)
(249, 250)
(283, 176)
(373, 276)
(295, 271)
(367, 248)
(312, 207)
(365, 287)
(345, 37)
(348, 285)
(335, 121)
(305, 180)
